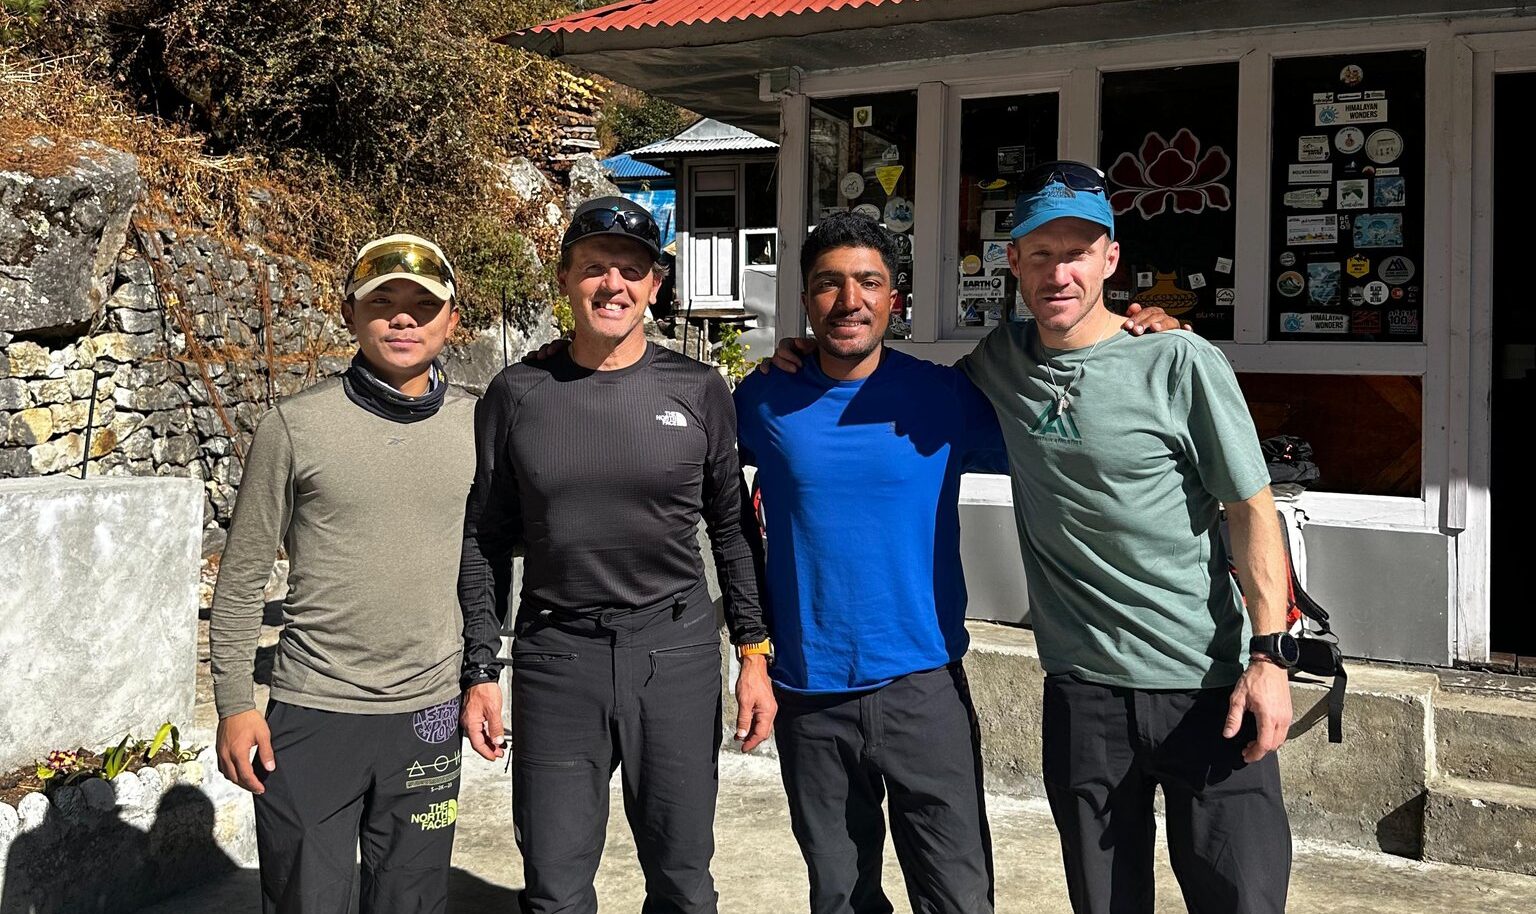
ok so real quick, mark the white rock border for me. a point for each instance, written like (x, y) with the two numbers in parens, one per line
(135, 798)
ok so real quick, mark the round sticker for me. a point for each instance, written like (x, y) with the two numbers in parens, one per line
(1384, 146)
(903, 245)
(1351, 75)
(1287, 259)
(1396, 270)
(1349, 140)
(852, 185)
(1397, 293)
(970, 265)
(1356, 296)
(898, 214)
(1290, 283)
(1376, 293)
(868, 211)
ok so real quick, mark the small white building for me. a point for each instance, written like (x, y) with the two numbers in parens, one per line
(727, 213)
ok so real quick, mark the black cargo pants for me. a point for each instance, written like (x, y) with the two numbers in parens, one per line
(591, 691)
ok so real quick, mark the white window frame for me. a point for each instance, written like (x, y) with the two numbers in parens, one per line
(948, 311)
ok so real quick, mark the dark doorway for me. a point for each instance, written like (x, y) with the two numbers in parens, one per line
(1514, 368)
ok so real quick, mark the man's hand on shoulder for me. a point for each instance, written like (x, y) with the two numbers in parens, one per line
(1265, 691)
(545, 351)
(1140, 320)
(481, 719)
(790, 355)
(238, 734)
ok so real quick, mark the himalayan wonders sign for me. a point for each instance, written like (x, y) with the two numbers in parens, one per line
(1170, 144)
(1346, 235)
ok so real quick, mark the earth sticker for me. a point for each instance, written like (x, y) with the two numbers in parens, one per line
(439, 723)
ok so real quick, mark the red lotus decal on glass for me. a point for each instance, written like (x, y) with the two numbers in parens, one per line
(1176, 171)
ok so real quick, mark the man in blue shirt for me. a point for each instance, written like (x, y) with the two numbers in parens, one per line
(859, 457)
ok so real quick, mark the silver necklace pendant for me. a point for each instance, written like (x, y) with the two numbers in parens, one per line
(1063, 403)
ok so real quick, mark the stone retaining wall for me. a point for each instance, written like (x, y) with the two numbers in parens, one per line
(157, 349)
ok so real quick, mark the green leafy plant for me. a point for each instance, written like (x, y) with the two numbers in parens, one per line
(732, 355)
(115, 761)
(19, 19)
(632, 119)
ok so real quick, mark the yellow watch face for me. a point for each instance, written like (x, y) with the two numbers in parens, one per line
(761, 647)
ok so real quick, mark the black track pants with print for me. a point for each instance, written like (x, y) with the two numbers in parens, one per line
(388, 783)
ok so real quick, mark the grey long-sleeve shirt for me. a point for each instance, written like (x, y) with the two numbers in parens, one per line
(371, 513)
(603, 476)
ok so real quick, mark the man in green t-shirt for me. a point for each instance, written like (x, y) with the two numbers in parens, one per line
(1123, 452)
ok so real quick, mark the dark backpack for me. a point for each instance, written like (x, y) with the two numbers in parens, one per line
(1290, 460)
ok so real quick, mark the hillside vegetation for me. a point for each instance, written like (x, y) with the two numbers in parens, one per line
(306, 126)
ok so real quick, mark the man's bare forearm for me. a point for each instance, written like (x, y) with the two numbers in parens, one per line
(1259, 554)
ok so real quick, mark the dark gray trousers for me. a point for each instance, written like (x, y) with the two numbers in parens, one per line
(592, 691)
(1106, 749)
(386, 782)
(914, 741)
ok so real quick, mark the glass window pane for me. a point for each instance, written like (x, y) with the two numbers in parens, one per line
(714, 211)
(762, 248)
(715, 179)
(1169, 146)
(762, 202)
(1366, 431)
(1000, 139)
(864, 158)
(1346, 235)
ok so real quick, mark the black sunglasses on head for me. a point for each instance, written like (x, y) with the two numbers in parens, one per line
(1075, 175)
(637, 224)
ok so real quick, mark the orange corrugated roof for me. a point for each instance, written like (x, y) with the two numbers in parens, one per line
(628, 14)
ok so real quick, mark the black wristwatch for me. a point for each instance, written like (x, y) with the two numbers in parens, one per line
(1279, 648)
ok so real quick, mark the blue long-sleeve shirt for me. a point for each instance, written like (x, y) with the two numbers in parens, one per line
(860, 483)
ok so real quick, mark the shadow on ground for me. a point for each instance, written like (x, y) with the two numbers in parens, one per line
(240, 893)
(87, 861)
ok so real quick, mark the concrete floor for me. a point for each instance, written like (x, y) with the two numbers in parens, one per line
(757, 866)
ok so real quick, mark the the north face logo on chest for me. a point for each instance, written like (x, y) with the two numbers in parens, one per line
(672, 418)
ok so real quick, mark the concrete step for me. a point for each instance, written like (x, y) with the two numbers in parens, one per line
(1476, 823)
(1486, 736)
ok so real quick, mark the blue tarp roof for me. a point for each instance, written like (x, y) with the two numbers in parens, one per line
(623, 166)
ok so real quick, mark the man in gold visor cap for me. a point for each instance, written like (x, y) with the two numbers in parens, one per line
(362, 480)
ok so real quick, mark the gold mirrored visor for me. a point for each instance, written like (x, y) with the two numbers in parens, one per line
(401, 260)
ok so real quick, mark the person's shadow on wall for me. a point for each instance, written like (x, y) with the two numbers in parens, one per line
(89, 861)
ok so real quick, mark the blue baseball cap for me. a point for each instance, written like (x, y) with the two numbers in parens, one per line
(1056, 200)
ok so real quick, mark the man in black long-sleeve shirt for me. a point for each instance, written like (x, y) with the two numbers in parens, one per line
(599, 462)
